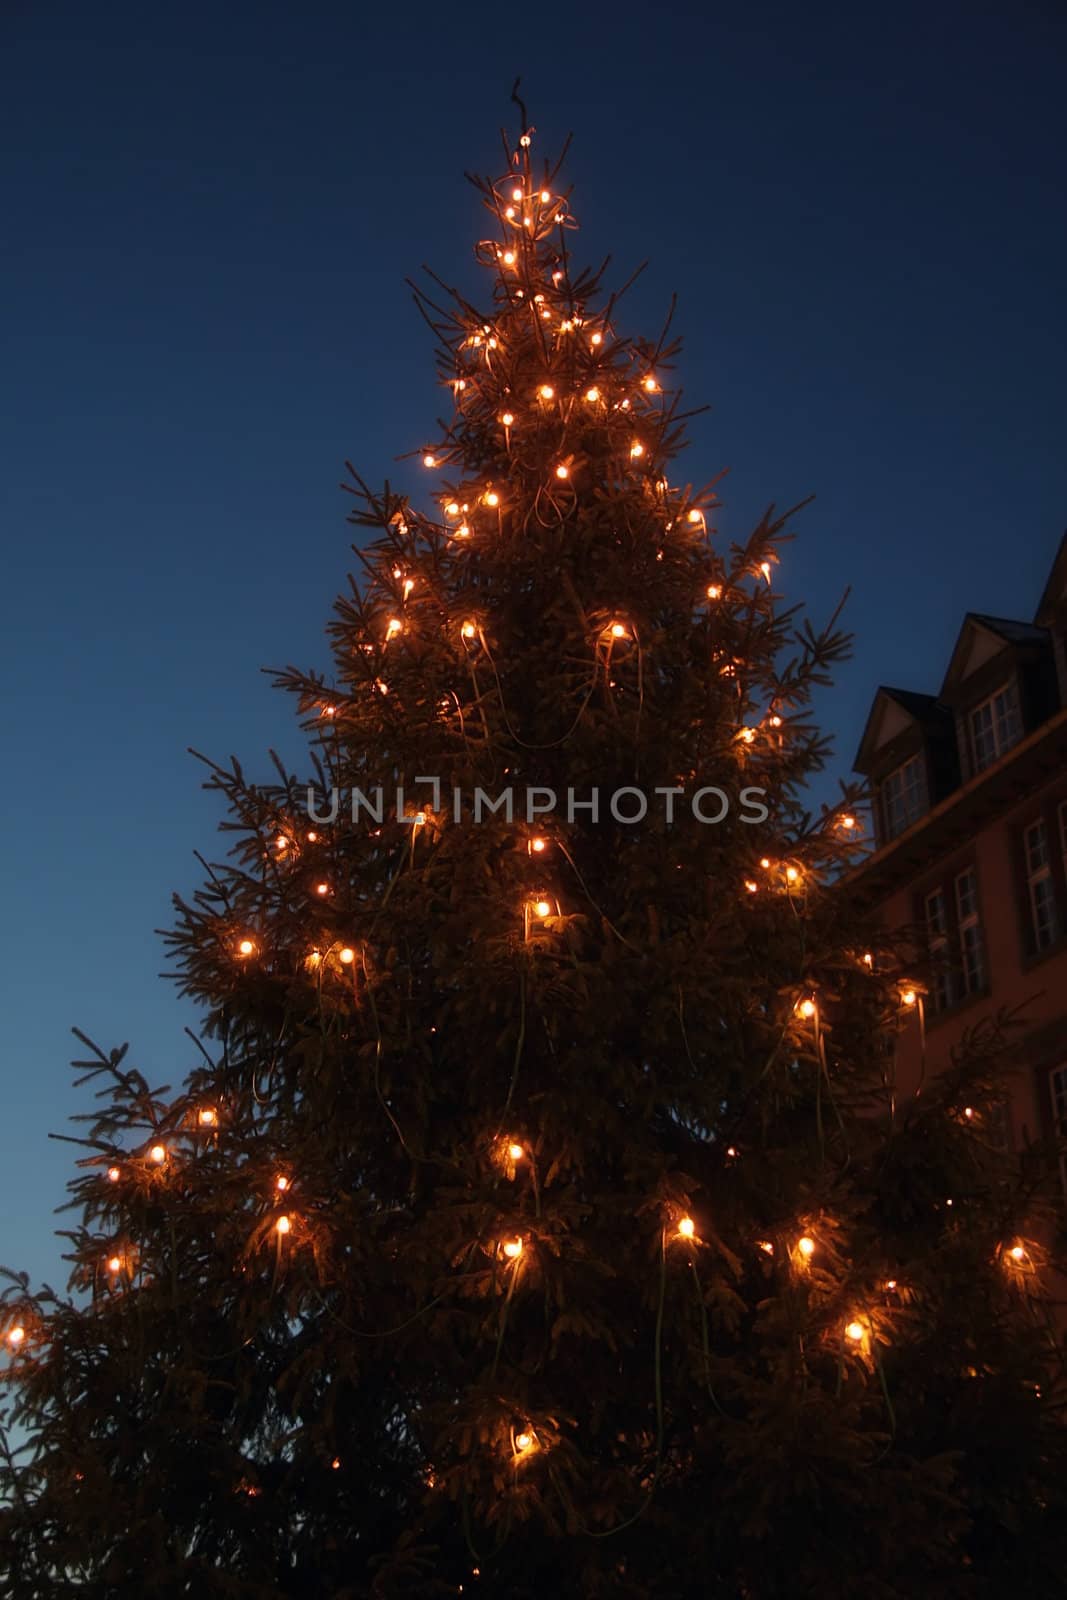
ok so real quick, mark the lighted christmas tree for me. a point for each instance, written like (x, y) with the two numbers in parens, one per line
(539, 1217)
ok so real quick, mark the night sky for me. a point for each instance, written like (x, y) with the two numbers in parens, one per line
(208, 216)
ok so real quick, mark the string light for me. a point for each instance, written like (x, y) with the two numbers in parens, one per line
(322, 888)
(686, 1228)
(806, 1247)
(765, 568)
(281, 843)
(452, 509)
(651, 385)
(806, 1008)
(751, 886)
(158, 1154)
(542, 908)
(429, 460)
(592, 395)
(856, 1332)
(114, 1174)
(468, 630)
(281, 1183)
(512, 1249)
(347, 955)
(538, 845)
(908, 997)
(114, 1264)
(312, 837)
(791, 874)
(597, 338)
(563, 471)
(516, 1152)
(868, 960)
(394, 627)
(283, 1225)
(508, 418)
(492, 498)
(523, 1443)
(636, 449)
(714, 591)
(246, 948)
(547, 392)
(696, 516)
(16, 1335)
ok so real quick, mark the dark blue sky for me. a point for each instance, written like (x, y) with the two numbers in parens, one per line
(208, 215)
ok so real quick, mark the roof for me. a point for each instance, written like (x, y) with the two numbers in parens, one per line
(925, 709)
(1056, 588)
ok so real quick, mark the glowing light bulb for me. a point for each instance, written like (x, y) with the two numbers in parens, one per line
(766, 1246)
(854, 1331)
(592, 395)
(158, 1154)
(283, 1225)
(336, 1464)
(1017, 1253)
(281, 1183)
(314, 959)
(687, 1227)
(347, 955)
(510, 213)
(791, 874)
(848, 823)
(113, 1174)
(516, 1152)
(597, 338)
(968, 1112)
(545, 197)
(714, 591)
(765, 862)
(523, 1441)
(542, 908)
(806, 1247)
(537, 845)
(409, 584)
(312, 837)
(429, 460)
(890, 1283)
(513, 1249)
(546, 391)
(516, 195)
(868, 959)
(765, 568)
(16, 1335)
(281, 843)
(247, 947)
(909, 997)
(747, 735)
(636, 449)
(750, 886)
(468, 630)
(618, 630)
(508, 258)
(508, 418)
(452, 509)
(696, 516)
(322, 888)
(114, 1264)
(394, 627)
(463, 531)
(650, 385)
(775, 722)
(806, 1008)
(563, 471)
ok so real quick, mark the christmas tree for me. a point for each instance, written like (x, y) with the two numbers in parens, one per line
(538, 1215)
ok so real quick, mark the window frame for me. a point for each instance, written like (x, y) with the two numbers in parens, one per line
(920, 789)
(1005, 730)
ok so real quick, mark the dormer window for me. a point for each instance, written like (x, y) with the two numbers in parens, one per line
(995, 725)
(903, 796)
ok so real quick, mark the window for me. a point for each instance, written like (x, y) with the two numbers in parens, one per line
(1057, 1083)
(1040, 891)
(937, 934)
(903, 796)
(995, 726)
(972, 957)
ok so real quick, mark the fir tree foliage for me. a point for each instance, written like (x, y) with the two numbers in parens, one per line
(538, 1215)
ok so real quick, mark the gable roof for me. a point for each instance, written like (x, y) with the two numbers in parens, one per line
(980, 638)
(1055, 590)
(910, 706)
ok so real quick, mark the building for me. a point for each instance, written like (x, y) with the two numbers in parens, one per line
(970, 821)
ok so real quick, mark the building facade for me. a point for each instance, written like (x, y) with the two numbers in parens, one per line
(970, 821)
